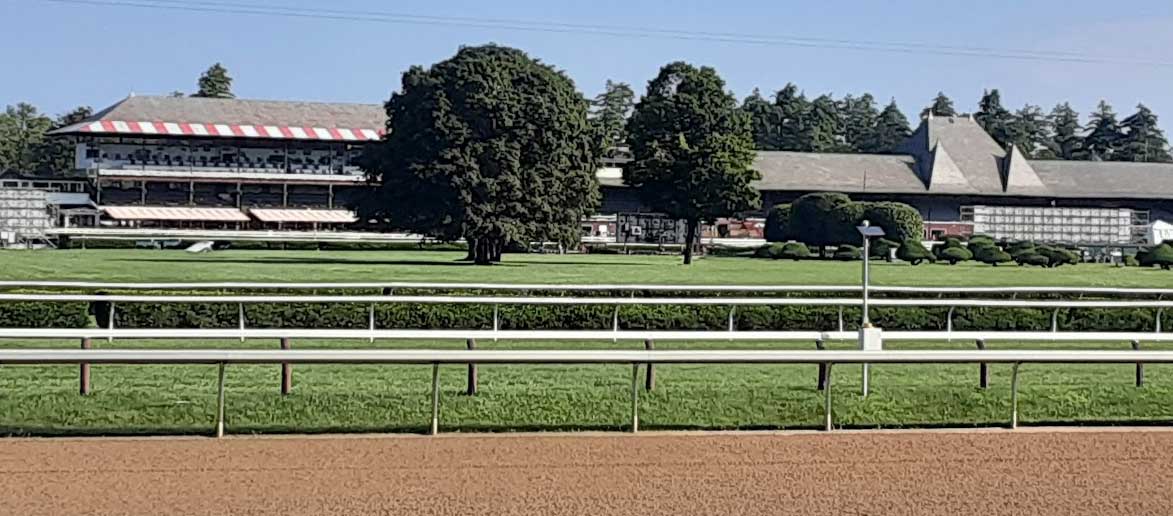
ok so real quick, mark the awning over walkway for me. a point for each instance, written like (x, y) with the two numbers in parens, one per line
(175, 213)
(308, 216)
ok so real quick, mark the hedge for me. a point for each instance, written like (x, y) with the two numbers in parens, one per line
(44, 315)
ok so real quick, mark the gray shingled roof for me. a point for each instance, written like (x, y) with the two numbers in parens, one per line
(851, 173)
(976, 155)
(239, 112)
(1105, 179)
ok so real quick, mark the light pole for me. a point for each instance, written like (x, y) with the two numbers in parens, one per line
(867, 231)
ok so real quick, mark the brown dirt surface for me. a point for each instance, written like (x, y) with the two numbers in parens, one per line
(906, 473)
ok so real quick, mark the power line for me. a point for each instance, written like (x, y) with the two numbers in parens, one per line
(220, 7)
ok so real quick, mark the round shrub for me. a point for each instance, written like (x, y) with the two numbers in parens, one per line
(768, 251)
(954, 255)
(980, 240)
(794, 251)
(847, 253)
(990, 255)
(899, 221)
(1057, 256)
(1036, 260)
(913, 252)
(882, 248)
(1160, 256)
(950, 243)
(777, 221)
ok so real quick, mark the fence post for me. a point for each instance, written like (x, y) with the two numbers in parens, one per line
(371, 323)
(471, 390)
(1055, 321)
(1160, 313)
(827, 423)
(615, 324)
(841, 318)
(242, 322)
(634, 398)
(286, 371)
(732, 325)
(650, 381)
(983, 368)
(821, 346)
(435, 399)
(949, 321)
(1014, 396)
(1139, 366)
(84, 388)
(220, 402)
(496, 322)
(110, 324)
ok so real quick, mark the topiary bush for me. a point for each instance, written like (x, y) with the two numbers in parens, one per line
(777, 222)
(773, 251)
(990, 255)
(1160, 256)
(981, 240)
(953, 255)
(900, 221)
(1038, 260)
(913, 252)
(882, 248)
(794, 251)
(823, 219)
(1057, 256)
(847, 253)
(1131, 261)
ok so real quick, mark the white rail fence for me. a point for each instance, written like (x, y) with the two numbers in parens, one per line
(827, 359)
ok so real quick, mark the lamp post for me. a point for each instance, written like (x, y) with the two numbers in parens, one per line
(867, 231)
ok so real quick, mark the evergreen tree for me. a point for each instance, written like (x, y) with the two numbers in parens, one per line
(1104, 134)
(1143, 140)
(859, 117)
(994, 118)
(215, 83)
(55, 156)
(609, 112)
(941, 106)
(693, 149)
(1030, 132)
(793, 110)
(825, 128)
(764, 119)
(890, 131)
(22, 135)
(1065, 141)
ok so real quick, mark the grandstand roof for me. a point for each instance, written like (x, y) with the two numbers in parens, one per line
(235, 118)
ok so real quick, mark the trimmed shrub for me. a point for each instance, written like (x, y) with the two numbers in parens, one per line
(882, 248)
(1057, 256)
(795, 251)
(847, 253)
(767, 251)
(900, 221)
(913, 252)
(952, 255)
(1026, 258)
(777, 221)
(990, 255)
(1131, 261)
(1160, 256)
(37, 314)
(950, 243)
(981, 240)
(822, 219)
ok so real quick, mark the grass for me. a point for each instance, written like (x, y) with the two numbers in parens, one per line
(303, 266)
(43, 400)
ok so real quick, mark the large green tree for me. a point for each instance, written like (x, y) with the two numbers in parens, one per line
(793, 125)
(764, 120)
(490, 145)
(859, 117)
(1104, 134)
(825, 127)
(1143, 140)
(1066, 139)
(215, 83)
(890, 131)
(941, 106)
(1031, 132)
(609, 112)
(994, 118)
(55, 156)
(692, 148)
(22, 138)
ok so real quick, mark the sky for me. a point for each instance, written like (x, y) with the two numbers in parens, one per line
(60, 55)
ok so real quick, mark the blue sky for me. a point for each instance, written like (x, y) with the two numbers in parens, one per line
(63, 55)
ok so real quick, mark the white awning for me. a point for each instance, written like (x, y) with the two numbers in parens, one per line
(318, 216)
(175, 213)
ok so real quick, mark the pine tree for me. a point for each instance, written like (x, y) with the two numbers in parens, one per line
(1143, 140)
(994, 118)
(54, 156)
(1104, 134)
(765, 119)
(858, 121)
(22, 133)
(1065, 141)
(215, 83)
(609, 112)
(890, 131)
(941, 106)
(825, 126)
(793, 110)
(1030, 131)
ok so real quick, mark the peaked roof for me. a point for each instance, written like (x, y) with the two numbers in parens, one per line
(977, 157)
(943, 175)
(1020, 176)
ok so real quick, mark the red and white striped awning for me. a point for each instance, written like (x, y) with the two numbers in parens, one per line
(318, 216)
(228, 130)
(175, 213)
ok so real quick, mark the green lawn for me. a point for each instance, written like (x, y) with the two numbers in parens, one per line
(302, 266)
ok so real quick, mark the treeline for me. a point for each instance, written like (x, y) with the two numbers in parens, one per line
(789, 121)
(24, 147)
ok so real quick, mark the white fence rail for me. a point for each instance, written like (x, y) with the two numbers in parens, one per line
(827, 359)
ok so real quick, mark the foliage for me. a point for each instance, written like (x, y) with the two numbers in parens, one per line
(1057, 256)
(1104, 134)
(489, 145)
(1143, 139)
(941, 106)
(822, 219)
(899, 221)
(980, 240)
(913, 252)
(794, 251)
(1159, 256)
(25, 147)
(858, 122)
(692, 148)
(772, 250)
(882, 248)
(847, 253)
(215, 83)
(989, 254)
(793, 125)
(1032, 258)
(953, 255)
(777, 223)
(764, 121)
(994, 118)
(890, 131)
(1066, 139)
(949, 243)
(609, 113)
(1131, 261)
(37, 314)
(1031, 133)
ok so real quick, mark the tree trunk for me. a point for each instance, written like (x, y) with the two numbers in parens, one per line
(483, 256)
(496, 250)
(472, 250)
(689, 238)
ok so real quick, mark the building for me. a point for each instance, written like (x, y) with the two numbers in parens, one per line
(228, 163)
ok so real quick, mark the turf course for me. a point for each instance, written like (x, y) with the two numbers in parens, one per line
(181, 399)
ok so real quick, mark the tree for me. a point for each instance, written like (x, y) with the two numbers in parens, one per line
(22, 135)
(489, 145)
(859, 119)
(692, 149)
(941, 106)
(1104, 134)
(912, 251)
(899, 221)
(823, 219)
(215, 83)
(994, 118)
(764, 120)
(777, 223)
(793, 110)
(1066, 142)
(1030, 132)
(824, 129)
(609, 112)
(57, 155)
(1143, 140)
(890, 131)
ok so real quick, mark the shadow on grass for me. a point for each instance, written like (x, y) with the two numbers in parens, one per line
(294, 260)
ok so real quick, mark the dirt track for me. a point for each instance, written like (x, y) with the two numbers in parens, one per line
(1031, 472)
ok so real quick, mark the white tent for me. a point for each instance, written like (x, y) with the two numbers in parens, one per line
(1160, 231)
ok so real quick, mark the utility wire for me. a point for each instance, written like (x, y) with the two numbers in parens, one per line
(220, 7)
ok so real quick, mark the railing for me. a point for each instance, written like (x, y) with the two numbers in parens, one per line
(827, 359)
